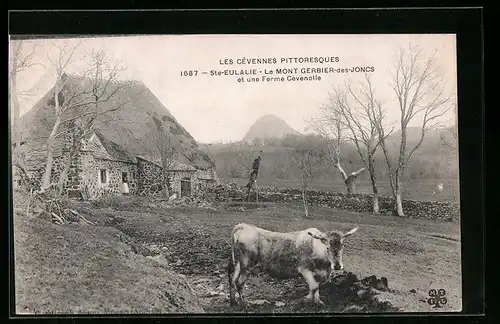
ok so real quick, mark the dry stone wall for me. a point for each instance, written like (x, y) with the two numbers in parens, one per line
(175, 181)
(149, 178)
(435, 210)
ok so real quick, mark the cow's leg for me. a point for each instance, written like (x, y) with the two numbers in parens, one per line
(240, 281)
(232, 282)
(230, 272)
(317, 300)
(313, 285)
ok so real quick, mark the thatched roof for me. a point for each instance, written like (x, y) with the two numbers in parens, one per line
(115, 151)
(129, 127)
(175, 165)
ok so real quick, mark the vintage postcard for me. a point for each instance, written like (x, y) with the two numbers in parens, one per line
(235, 174)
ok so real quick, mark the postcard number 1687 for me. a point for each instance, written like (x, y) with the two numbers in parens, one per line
(189, 73)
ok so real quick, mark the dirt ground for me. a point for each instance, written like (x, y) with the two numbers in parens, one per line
(414, 255)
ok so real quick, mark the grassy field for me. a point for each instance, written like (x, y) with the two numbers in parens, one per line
(76, 267)
(426, 190)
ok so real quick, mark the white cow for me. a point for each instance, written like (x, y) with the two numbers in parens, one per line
(309, 253)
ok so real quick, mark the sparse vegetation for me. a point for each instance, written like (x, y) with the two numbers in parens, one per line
(432, 164)
(110, 260)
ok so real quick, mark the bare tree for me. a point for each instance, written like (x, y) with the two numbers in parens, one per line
(331, 128)
(61, 106)
(361, 119)
(19, 61)
(79, 103)
(420, 92)
(164, 145)
(305, 159)
(453, 131)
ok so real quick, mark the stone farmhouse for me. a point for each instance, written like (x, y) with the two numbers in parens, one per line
(104, 167)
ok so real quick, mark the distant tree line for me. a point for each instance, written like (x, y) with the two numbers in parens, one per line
(431, 162)
(353, 137)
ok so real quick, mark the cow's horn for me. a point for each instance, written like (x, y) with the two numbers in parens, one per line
(350, 232)
(313, 236)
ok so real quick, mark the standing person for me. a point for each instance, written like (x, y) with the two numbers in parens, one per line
(253, 175)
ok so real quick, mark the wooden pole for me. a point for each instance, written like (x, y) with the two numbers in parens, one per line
(256, 192)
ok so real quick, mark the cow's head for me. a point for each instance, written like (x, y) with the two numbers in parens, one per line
(334, 242)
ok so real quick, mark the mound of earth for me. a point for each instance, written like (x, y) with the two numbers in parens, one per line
(72, 269)
(344, 293)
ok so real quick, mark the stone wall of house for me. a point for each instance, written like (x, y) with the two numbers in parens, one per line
(204, 180)
(435, 210)
(72, 186)
(149, 178)
(175, 179)
(73, 180)
(92, 184)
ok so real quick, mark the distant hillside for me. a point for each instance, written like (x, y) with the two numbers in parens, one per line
(269, 126)
(130, 126)
(433, 139)
(432, 160)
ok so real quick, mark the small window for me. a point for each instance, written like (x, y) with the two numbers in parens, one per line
(104, 176)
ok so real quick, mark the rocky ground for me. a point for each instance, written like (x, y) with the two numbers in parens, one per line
(391, 263)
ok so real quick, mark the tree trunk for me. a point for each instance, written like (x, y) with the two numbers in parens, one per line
(50, 152)
(14, 100)
(373, 180)
(250, 184)
(349, 179)
(398, 203)
(376, 207)
(351, 187)
(304, 202)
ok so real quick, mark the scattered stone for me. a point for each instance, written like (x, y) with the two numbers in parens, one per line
(198, 281)
(159, 258)
(379, 284)
(279, 304)
(413, 291)
(361, 293)
(154, 249)
(213, 293)
(259, 302)
(353, 309)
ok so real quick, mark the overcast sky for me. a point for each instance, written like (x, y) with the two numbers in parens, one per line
(215, 108)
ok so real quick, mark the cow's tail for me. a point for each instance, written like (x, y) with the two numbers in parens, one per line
(231, 263)
(233, 240)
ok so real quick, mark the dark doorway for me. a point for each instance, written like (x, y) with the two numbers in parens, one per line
(124, 177)
(185, 187)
